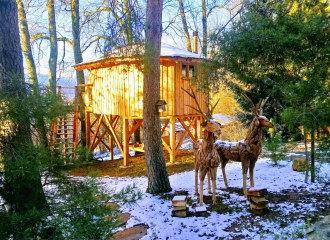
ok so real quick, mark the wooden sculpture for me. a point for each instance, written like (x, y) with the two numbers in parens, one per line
(247, 150)
(207, 158)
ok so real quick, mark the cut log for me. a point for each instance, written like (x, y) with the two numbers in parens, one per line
(259, 205)
(256, 199)
(179, 201)
(257, 192)
(180, 213)
(179, 208)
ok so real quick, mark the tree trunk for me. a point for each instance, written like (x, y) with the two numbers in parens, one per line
(129, 28)
(26, 47)
(22, 188)
(78, 59)
(158, 181)
(204, 23)
(306, 152)
(53, 46)
(313, 155)
(185, 26)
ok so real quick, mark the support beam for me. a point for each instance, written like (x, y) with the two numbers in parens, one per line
(97, 130)
(111, 147)
(104, 144)
(98, 140)
(200, 131)
(125, 142)
(188, 129)
(183, 137)
(172, 139)
(137, 124)
(88, 129)
(111, 129)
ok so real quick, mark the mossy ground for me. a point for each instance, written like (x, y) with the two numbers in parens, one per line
(184, 162)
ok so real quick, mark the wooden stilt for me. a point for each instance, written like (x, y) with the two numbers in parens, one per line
(111, 147)
(196, 129)
(96, 132)
(88, 129)
(172, 139)
(200, 130)
(126, 142)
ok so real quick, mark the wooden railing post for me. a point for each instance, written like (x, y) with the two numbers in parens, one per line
(172, 139)
(126, 142)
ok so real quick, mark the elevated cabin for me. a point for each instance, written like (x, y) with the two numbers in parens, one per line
(115, 90)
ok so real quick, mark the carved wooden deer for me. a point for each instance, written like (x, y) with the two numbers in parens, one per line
(207, 159)
(247, 150)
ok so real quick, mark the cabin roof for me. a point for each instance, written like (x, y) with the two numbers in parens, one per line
(136, 51)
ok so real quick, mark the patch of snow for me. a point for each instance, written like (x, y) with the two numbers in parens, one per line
(179, 198)
(156, 212)
(224, 118)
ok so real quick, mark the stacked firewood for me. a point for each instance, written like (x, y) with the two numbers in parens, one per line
(179, 204)
(258, 203)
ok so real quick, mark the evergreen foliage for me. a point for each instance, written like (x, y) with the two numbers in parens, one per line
(276, 148)
(281, 50)
(37, 198)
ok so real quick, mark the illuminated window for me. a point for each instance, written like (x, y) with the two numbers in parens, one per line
(191, 71)
(184, 70)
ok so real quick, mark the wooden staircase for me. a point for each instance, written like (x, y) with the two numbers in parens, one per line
(64, 132)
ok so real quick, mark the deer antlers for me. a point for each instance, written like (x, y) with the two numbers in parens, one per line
(259, 106)
(199, 109)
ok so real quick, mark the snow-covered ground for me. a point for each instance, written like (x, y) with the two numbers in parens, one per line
(285, 217)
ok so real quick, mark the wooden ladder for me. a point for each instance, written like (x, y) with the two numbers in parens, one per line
(64, 133)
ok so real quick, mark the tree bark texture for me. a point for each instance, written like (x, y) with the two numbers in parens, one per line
(53, 46)
(313, 155)
(22, 188)
(204, 23)
(306, 152)
(26, 44)
(78, 59)
(10, 48)
(129, 28)
(185, 26)
(158, 181)
(26, 47)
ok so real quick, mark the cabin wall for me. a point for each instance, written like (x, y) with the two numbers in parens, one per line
(182, 99)
(118, 89)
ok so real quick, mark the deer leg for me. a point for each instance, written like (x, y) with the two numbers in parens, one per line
(209, 182)
(202, 173)
(245, 166)
(214, 177)
(251, 169)
(196, 178)
(223, 166)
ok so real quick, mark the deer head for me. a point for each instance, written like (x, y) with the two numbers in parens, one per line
(263, 121)
(209, 124)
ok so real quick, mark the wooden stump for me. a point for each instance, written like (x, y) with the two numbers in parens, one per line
(201, 211)
(258, 203)
(179, 204)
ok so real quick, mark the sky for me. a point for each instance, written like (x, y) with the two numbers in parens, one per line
(37, 19)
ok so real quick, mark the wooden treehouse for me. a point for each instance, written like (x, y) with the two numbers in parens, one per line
(114, 94)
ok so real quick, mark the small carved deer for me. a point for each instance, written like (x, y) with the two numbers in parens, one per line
(207, 159)
(246, 151)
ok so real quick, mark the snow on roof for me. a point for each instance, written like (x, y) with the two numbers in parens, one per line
(224, 118)
(168, 50)
(137, 50)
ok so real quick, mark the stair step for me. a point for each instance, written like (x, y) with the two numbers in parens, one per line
(64, 133)
(63, 125)
(70, 138)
